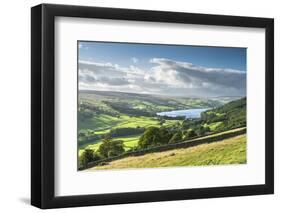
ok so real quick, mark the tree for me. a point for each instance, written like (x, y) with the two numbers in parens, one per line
(207, 129)
(165, 135)
(202, 130)
(150, 137)
(110, 148)
(90, 132)
(190, 134)
(117, 132)
(176, 137)
(81, 134)
(87, 157)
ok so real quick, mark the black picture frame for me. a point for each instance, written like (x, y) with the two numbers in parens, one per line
(43, 105)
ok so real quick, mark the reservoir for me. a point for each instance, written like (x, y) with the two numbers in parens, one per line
(187, 113)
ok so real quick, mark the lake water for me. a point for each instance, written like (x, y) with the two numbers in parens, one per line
(187, 113)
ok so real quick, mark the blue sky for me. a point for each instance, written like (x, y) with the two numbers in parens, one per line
(162, 69)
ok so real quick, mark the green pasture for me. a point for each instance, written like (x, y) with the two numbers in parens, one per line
(213, 126)
(101, 123)
(129, 142)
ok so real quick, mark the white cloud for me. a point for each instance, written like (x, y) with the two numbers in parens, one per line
(134, 60)
(81, 46)
(167, 77)
(199, 76)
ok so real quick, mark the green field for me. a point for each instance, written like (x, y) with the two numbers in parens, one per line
(214, 126)
(103, 117)
(229, 151)
(129, 142)
(102, 124)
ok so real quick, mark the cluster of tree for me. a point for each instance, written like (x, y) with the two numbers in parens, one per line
(198, 126)
(190, 134)
(111, 148)
(232, 115)
(108, 148)
(86, 133)
(120, 132)
(88, 156)
(171, 118)
(155, 136)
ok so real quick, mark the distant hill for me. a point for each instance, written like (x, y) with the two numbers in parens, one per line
(129, 95)
(232, 114)
(154, 103)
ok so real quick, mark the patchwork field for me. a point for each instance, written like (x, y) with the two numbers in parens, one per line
(105, 111)
(102, 124)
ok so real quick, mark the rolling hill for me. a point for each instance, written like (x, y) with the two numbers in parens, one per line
(125, 118)
(229, 151)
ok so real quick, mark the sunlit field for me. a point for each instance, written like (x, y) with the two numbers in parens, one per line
(229, 151)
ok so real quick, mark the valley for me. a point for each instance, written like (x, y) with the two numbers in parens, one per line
(112, 123)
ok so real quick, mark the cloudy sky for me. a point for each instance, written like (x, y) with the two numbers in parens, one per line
(171, 70)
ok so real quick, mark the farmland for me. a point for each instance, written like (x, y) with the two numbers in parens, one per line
(112, 123)
(98, 114)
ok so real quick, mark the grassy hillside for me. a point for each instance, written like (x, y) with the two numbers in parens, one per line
(100, 112)
(228, 116)
(110, 101)
(229, 151)
(232, 114)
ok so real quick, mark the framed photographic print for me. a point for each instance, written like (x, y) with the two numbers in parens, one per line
(139, 106)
